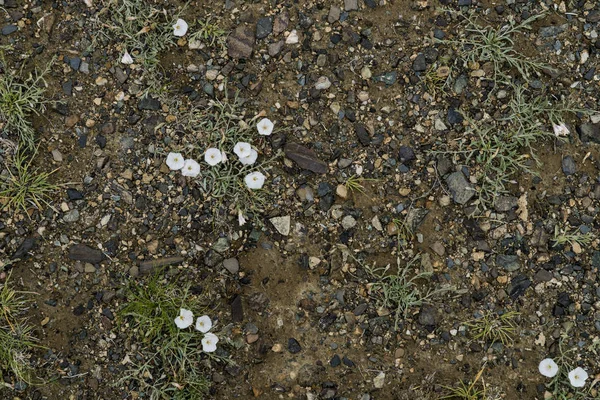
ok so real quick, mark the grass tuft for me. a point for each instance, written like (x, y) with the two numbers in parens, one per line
(493, 328)
(562, 236)
(482, 44)
(20, 98)
(221, 125)
(24, 186)
(396, 291)
(16, 337)
(209, 32)
(167, 363)
(467, 391)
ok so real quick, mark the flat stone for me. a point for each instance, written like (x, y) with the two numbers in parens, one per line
(237, 310)
(81, 252)
(305, 158)
(362, 134)
(505, 203)
(8, 29)
(293, 346)
(149, 103)
(275, 48)
(568, 165)
(264, 27)
(232, 265)
(240, 44)
(419, 63)
(334, 14)
(350, 5)
(509, 262)
(71, 216)
(147, 267)
(282, 224)
(281, 23)
(462, 191)
(323, 83)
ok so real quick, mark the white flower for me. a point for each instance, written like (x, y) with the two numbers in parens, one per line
(190, 168)
(203, 324)
(185, 318)
(242, 149)
(180, 28)
(251, 159)
(548, 367)
(126, 59)
(254, 180)
(241, 219)
(223, 157)
(209, 343)
(175, 161)
(265, 127)
(213, 156)
(561, 130)
(577, 377)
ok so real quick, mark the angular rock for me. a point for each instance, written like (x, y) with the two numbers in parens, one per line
(568, 165)
(350, 5)
(281, 23)
(505, 203)
(362, 134)
(462, 191)
(149, 103)
(293, 346)
(334, 14)
(406, 154)
(81, 252)
(508, 262)
(305, 158)
(25, 247)
(240, 44)
(419, 63)
(589, 132)
(237, 310)
(264, 26)
(232, 265)
(282, 224)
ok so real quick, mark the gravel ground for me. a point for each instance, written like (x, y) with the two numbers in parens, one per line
(371, 103)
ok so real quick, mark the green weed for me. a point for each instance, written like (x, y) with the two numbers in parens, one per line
(221, 125)
(482, 44)
(467, 391)
(20, 98)
(396, 291)
(562, 236)
(167, 363)
(492, 327)
(16, 337)
(25, 186)
(209, 32)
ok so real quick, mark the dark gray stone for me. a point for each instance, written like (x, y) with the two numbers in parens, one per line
(508, 262)
(568, 165)
(505, 203)
(427, 316)
(305, 158)
(264, 27)
(589, 132)
(362, 134)
(293, 346)
(149, 103)
(420, 63)
(553, 30)
(8, 29)
(81, 252)
(462, 191)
